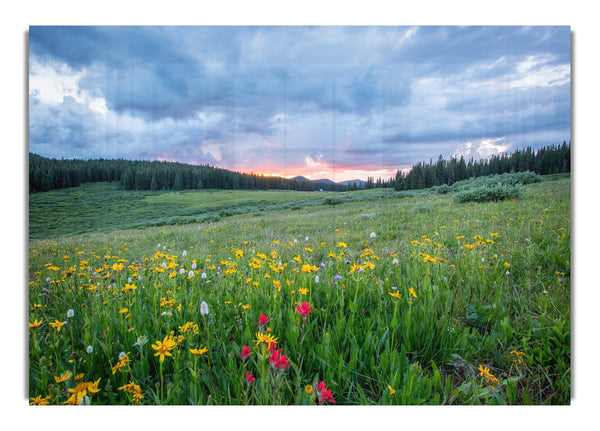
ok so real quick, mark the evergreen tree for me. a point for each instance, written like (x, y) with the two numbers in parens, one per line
(177, 183)
(153, 182)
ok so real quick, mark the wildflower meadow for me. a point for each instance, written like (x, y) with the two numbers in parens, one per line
(391, 301)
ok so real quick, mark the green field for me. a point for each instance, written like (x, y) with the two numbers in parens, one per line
(94, 207)
(423, 301)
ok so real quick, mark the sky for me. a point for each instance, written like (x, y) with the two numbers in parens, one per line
(336, 102)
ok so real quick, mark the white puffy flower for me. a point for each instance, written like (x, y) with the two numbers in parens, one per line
(316, 279)
(373, 235)
(191, 274)
(182, 271)
(85, 401)
(203, 276)
(70, 313)
(90, 349)
(184, 253)
(395, 261)
(203, 308)
(194, 265)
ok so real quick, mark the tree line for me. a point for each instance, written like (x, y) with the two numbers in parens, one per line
(552, 159)
(47, 174)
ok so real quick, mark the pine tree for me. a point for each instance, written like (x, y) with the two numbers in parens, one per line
(177, 183)
(153, 182)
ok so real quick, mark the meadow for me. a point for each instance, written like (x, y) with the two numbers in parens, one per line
(373, 298)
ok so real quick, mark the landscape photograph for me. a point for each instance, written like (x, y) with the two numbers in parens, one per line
(317, 216)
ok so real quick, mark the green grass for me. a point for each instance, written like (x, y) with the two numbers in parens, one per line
(95, 207)
(489, 278)
(105, 207)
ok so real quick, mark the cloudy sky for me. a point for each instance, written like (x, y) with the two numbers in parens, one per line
(323, 102)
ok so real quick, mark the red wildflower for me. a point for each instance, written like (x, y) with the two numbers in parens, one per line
(249, 377)
(304, 309)
(277, 360)
(245, 353)
(263, 320)
(323, 393)
(272, 346)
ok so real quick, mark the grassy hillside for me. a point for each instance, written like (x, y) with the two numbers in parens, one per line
(105, 206)
(415, 300)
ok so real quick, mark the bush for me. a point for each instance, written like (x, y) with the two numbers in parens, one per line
(509, 179)
(486, 194)
(443, 189)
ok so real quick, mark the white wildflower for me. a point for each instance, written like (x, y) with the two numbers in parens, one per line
(203, 308)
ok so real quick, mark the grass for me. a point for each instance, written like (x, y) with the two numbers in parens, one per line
(105, 207)
(427, 301)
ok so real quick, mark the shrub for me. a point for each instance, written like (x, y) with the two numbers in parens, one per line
(443, 189)
(486, 194)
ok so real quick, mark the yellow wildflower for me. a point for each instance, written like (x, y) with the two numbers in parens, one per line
(63, 377)
(39, 401)
(199, 351)
(35, 323)
(80, 391)
(57, 325)
(163, 348)
(265, 338)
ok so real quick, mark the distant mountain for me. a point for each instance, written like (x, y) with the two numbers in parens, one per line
(328, 181)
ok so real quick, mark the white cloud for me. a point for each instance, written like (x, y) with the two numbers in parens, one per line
(535, 71)
(482, 149)
(313, 162)
(51, 82)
